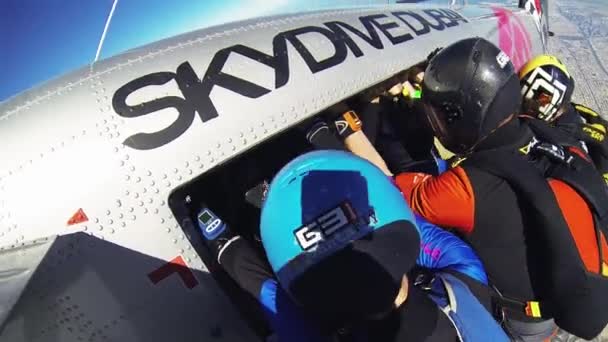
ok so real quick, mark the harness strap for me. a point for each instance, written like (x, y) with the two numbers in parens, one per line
(532, 309)
(471, 319)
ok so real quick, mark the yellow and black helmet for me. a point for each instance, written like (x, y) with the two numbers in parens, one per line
(546, 85)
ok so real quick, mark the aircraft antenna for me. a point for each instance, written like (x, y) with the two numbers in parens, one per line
(105, 29)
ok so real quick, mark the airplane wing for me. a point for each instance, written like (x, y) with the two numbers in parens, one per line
(18, 264)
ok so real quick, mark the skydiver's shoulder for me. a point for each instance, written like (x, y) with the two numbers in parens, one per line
(570, 116)
(576, 113)
(455, 172)
(583, 109)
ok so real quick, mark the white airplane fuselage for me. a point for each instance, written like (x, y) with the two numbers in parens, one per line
(89, 160)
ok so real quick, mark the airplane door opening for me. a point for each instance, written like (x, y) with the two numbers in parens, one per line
(231, 194)
(225, 194)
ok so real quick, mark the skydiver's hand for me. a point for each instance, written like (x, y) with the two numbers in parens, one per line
(411, 92)
(322, 137)
(342, 120)
(593, 132)
(347, 123)
(396, 89)
(595, 136)
(392, 94)
(416, 75)
(591, 116)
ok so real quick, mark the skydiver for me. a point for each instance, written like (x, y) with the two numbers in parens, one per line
(251, 271)
(547, 89)
(406, 139)
(340, 239)
(397, 127)
(513, 196)
(437, 250)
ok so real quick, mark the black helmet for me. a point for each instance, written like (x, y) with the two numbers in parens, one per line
(469, 88)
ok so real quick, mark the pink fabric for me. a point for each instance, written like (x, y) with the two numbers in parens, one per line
(539, 7)
(434, 253)
(513, 38)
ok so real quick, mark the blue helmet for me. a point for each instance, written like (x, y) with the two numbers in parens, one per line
(334, 220)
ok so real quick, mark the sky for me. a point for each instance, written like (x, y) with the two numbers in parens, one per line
(39, 39)
(44, 39)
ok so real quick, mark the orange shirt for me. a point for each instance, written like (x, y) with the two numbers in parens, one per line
(448, 200)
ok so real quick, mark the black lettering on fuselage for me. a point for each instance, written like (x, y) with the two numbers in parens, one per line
(313, 64)
(389, 26)
(196, 90)
(426, 26)
(445, 17)
(148, 141)
(372, 38)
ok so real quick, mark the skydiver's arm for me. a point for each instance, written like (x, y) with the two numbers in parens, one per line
(446, 200)
(398, 157)
(380, 145)
(601, 163)
(594, 132)
(254, 275)
(288, 322)
(442, 250)
(359, 145)
(321, 137)
(348, 125)
(405, 138)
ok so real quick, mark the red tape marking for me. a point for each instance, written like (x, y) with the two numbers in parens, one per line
(177, 265)
(78, 217)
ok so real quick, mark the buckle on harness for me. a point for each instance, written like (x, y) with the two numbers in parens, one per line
(502, 303)
(424, 279)
(553, 152)
(533, 309)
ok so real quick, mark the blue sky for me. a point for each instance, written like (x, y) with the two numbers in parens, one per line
(43, 39)
(40, 39)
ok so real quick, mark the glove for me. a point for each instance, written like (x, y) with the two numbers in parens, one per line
(595, 136)
(440, 249)
(347, 123)
(321, 137)
(590, 115)
(411, 92)
(593, 131)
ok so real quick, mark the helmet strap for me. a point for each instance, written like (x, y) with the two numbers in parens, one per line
(482, 139)
(561, 110)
